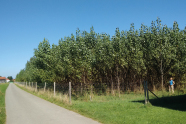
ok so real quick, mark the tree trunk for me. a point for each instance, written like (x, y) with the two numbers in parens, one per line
(112, 87)
(134, 84)
(161, 76)
(124, 88)
(83, 82)
(81, 89)
(107, 82)
(141, 85)
(153, 87)
(118, 81)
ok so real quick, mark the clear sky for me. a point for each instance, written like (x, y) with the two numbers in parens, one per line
(25, 23)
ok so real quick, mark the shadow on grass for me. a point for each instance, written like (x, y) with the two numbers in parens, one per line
(172, 102)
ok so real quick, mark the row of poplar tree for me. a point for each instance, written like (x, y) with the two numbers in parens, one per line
(121, 62)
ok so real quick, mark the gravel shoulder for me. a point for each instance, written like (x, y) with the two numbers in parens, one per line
(25, 108)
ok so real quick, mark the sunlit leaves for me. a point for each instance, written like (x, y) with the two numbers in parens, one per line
(88, 54)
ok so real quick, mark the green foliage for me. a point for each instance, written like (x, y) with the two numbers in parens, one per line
(3, 88)
(10, 78)
(126, 59)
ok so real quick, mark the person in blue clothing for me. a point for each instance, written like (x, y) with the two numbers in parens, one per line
(171, 87)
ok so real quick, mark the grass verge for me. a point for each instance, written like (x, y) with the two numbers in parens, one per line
(3, 88)
(129, 108)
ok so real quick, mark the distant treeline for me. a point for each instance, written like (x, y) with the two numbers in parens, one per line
(120, 62)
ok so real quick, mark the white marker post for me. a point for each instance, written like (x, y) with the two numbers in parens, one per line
(54, 89)
(36, 86)
(70, 92)
(45, 87)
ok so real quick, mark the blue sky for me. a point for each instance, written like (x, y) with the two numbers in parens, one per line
(25, 23)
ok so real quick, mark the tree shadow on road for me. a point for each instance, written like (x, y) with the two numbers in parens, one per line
(171, 102)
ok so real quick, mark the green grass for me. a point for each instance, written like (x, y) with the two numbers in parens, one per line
(3, 88)
(129, 108)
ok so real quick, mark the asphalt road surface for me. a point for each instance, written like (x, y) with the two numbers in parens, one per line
(25, 108)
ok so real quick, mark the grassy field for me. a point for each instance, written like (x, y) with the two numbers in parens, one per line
(3, 88)
(129, 108)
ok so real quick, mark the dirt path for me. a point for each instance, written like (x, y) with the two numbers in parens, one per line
(25, 108)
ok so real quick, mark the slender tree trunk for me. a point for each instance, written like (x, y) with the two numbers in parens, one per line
(124, 82)
(127, 85)
(140, 84)
(107, 79)
(127, 78)
(161, 76)
(84, 80)
(134, 84)
(112, 87)
(153, 86)
(118, 81)
(81, 89)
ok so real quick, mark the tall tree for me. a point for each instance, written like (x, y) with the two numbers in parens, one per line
(10, 77)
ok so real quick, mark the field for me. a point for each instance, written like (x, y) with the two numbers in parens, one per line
(2, 103)
(129, 108)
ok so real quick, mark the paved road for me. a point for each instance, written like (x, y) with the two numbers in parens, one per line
(25, 108)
